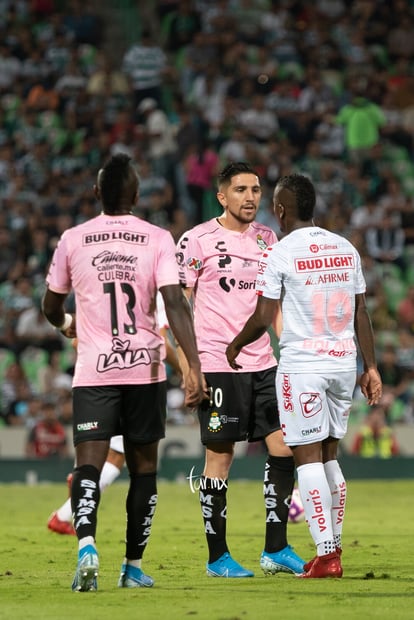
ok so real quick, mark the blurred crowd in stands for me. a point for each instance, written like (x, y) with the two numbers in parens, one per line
(325, 87)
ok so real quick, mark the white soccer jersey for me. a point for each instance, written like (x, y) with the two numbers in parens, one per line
(316, 275)
(221, 266)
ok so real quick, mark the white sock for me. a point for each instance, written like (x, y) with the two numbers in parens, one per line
(64, 513)
(317, 502)
(136, 563)
(337, 484)
(109, 473)
(87, 540)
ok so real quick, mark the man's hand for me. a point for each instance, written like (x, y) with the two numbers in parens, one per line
(255, 326)
(195, 388)
(231, 353)
(371, 386)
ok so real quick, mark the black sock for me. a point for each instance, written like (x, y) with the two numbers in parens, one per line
(141, 503)
(85, 496)
(213, 501)
(277, 490)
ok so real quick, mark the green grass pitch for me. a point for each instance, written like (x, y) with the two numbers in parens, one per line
(36, 566)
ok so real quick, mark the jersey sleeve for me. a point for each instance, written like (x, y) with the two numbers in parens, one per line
(58, 278)
(190, 260)
(167, 271)
(269, 276)
(360, 283)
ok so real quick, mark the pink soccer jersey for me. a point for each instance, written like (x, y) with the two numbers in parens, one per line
(317, 274)
(221, 266)
(115, 264)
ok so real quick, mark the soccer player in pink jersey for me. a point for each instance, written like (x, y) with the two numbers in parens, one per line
(218, 265)
(115, 263)
(315, 278)
(60, 521)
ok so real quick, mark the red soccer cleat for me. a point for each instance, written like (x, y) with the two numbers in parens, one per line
(309, 564)
(60, 527)
(324, 566)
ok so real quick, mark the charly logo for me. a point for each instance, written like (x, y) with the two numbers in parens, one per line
(198, 482)
(224, 283)
(88, 426)
(221, 247)
(215, 424)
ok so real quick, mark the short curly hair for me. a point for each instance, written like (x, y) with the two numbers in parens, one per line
(114, 179)
(304, 193)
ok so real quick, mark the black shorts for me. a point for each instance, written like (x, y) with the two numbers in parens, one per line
(243, 406)
(138, 412)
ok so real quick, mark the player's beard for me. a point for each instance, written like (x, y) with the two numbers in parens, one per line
(245, 217)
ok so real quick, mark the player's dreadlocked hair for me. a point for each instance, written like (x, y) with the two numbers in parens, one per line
(238, 167)
(114, 180)
(304, 193)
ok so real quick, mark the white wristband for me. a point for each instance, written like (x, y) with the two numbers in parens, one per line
(66, 323)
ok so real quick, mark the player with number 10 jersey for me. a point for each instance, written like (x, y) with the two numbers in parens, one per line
(323, 272)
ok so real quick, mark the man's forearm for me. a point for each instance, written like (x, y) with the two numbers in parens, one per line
(252, 330)
(181, 324)
(365, 337)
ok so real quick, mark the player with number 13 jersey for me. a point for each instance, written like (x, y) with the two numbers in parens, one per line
(110, 258)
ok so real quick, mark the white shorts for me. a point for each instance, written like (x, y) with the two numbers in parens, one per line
(117, 443)
(312, 407)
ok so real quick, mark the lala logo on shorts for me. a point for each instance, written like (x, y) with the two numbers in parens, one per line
(214, 425)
